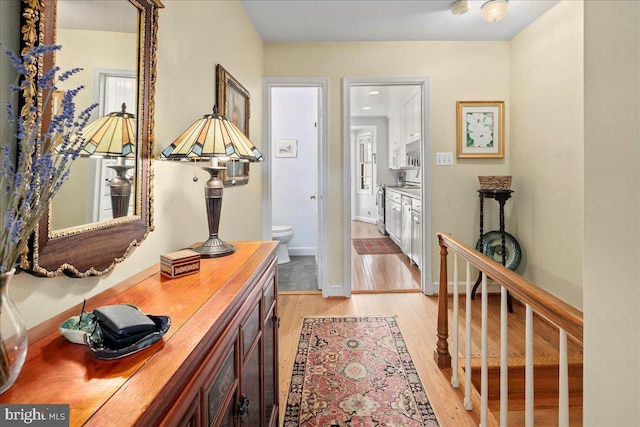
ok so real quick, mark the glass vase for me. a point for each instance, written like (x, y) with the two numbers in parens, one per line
(13, 336)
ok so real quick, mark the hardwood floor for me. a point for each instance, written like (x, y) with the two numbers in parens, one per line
(380, 273)
(416, 314)
(417, 318)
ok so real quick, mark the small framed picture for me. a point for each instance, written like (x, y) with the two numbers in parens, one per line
(237, 173)
(286, 148)
(480, 129)
(232, 99)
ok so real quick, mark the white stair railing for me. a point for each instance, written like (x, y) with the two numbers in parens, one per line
(566, 318)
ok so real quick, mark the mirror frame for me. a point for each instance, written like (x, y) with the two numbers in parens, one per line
(94, 249)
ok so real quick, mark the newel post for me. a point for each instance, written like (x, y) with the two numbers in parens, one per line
(441, 352)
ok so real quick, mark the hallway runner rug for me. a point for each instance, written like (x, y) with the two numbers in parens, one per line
(355, 371)
(376, 246)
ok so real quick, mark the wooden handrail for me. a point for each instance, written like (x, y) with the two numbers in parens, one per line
(541, 301)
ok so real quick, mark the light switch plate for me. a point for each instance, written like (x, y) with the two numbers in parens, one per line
(444, 159)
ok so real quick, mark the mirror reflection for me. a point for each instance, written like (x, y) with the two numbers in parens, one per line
(101, 37)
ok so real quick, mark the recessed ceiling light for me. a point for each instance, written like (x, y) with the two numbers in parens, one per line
(366, 108)
(374, 92)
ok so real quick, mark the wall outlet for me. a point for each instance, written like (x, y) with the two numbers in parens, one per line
(444, 159)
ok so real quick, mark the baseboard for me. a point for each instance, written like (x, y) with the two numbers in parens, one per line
(365, 219)
(302, 251)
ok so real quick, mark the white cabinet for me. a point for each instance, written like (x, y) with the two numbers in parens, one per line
(416, 232)
(403, 222)
(393, 216)
(394, 141)
(405, 127)
(405, 240)
(416, 122)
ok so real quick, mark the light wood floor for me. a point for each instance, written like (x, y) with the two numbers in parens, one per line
(416, 314)
(380, 273)
(417, 318)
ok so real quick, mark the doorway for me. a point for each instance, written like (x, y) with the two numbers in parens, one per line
(373, 106)
(295, 149)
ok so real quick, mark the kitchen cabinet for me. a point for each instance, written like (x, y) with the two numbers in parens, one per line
(216, 366)
(405, 240)
(403, 210)
(415, 130)
(394, 141)
(416, 232)
(393, 213)
(405, 127)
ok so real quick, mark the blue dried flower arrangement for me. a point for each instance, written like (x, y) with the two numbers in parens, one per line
(44, 156)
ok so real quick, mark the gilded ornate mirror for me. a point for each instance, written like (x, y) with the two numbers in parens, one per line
(85, 231)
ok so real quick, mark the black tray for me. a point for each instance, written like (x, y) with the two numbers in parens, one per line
(102, 349)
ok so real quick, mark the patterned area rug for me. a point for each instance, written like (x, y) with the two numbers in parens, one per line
(355, 371)
(376, 246)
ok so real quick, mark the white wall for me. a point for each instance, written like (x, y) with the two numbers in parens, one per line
(447, 64)
(294, 111)
(547, 149)
(612, 213)
(185, 90)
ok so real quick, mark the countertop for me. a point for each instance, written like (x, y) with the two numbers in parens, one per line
(415, 192)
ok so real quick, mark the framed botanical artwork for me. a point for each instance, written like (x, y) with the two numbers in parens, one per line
(232, 99)
(286, 148)
(480, 129)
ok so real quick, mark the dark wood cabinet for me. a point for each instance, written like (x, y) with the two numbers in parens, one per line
(217, 365)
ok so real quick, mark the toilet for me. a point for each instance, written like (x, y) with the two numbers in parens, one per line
(282, 233)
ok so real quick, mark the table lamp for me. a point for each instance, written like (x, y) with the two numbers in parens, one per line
(213, 137)
(113, 136)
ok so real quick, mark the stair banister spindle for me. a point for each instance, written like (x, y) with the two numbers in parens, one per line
(454, 379)
(484, 377)
(563, 398)
(504, 358)
(528, 394)
(468, 403)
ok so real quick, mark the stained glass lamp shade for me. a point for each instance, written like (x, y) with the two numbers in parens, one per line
(213, 137)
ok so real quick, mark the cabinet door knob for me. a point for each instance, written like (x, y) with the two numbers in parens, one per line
(312, 197)
(243, 408)
(276, 319)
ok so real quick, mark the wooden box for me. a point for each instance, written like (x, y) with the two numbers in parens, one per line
(181, 263)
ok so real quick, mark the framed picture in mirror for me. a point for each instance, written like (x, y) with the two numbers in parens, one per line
(232, 99)
(237, 173)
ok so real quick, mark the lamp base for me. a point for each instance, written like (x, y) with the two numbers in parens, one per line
(214, 247)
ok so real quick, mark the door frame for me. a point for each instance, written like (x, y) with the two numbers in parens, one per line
(322, 225)
(427, 285)
(354, 173)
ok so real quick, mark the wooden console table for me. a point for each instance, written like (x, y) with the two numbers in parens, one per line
(218, 362)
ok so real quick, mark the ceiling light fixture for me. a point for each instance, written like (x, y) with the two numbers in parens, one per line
(460, 7)
(494, 10)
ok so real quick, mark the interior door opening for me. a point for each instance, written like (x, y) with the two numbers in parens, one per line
(294, 211)
(388, 215)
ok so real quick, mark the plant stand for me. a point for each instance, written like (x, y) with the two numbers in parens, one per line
(501, 196)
